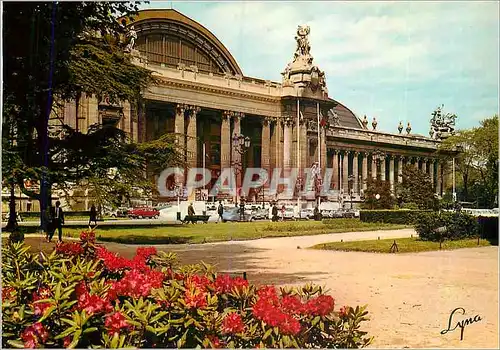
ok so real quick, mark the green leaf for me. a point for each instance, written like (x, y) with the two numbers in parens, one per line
(16, 344)
(267, 334)
(76, 339)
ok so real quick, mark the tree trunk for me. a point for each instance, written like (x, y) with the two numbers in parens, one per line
(12, 223)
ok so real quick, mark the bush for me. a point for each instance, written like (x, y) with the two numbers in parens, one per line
(16, 236)
(402, 217)
(83, 295)
(488, 227)
(458, 225)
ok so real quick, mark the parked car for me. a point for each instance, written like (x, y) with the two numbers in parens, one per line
(143, 212)
(306, 214)
(233, 214)
(289, 214)
(335, 214)
(121, 212)
(260, 214)
(348, 213)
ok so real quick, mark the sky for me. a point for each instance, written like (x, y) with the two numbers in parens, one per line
(396, 61)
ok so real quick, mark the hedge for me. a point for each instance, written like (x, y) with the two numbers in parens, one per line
(36, 214)
(488, 227)
(437, 226)
(402, 217)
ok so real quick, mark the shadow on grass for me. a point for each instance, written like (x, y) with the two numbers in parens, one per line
(142, 239)
(493, 240)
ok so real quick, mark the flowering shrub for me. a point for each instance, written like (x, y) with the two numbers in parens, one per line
(82, 295)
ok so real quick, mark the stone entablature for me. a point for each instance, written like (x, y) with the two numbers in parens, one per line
(381, 138)
(242, 85)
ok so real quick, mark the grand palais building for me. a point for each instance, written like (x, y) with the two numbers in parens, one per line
(207, 100)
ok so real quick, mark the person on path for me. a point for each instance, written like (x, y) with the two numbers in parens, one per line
(316, 213)
(191, 210)
(283, 212)
(93, 215)
(58, 221)
(242, 211)
(275, 213)
(49, 222)
(220, 211)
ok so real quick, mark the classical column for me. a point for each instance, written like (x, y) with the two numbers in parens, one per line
(192, 140)
(391, 172)
(447, 177)
(355, 171)
(417, 159)
(374, 167)
(439, 178)
(364, 170)
(431, 171)
(382, 168)
(287, 144)
(345, 172)
(225, 140)
(266, 145)
(335, 169)
(424, 165)
(179, 125)
(400, 169)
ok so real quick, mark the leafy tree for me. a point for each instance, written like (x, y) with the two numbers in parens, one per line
(416, 187)
(57, 51)
(477, 162)
(383, 189)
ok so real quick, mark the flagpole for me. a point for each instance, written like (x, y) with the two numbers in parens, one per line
(319, 148)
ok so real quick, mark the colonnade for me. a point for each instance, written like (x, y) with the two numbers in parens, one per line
(352, 169)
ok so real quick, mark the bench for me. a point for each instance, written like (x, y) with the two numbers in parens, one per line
(195, 218)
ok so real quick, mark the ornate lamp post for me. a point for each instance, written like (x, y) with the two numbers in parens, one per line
(350, 181)
(241, 144)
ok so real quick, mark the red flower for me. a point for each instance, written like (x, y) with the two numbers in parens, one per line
(292, 304)
(268, 293)
(226, 284)
(69, 248)
(92, 304)
(215, 342)
(115, 322)
(7, 294)
(197, 282)
(320, 306)
(33, 335)
(145, 252)
(233, 324)
(195, 299)
(343, 311)
(289, 326)
(66, 341)
(136, 284)
(87, 236)
(41, 294)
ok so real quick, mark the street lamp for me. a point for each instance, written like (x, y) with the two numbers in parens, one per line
(241, 144)
(350, 181)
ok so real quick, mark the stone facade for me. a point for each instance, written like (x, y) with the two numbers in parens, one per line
(204, 98)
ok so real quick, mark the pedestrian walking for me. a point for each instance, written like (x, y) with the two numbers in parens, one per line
(48, 218)
(283, 212)
(93, 215)
(58, 221)
(220, 211)
(242, 211)
(274, 213)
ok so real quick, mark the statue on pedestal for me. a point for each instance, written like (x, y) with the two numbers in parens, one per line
(303, 47)
(442, 126)
(132, 37)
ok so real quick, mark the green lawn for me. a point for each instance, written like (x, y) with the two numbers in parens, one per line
(405, 245)
(212, 232)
